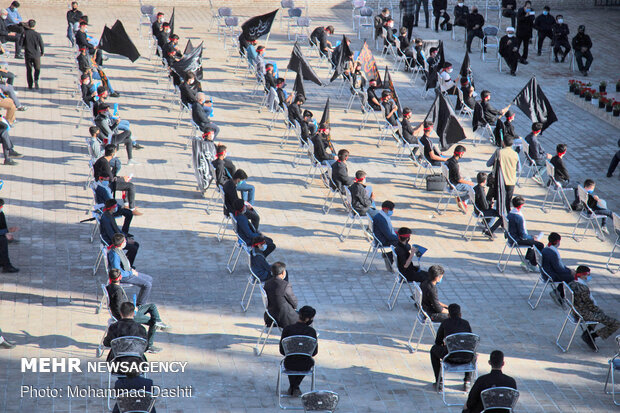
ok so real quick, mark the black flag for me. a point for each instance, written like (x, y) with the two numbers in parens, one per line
(442, 58)
(298, 87)
(499, 186)
(116, 41)
(466, 72)
(259, 25)
(343, 55)
(171, 22)
(369, 65)
(533, 102)
(325, 117)
(431, 79)
(446, 123)
(191, 62)
(189, 47)
(298, 63)
(388, 84)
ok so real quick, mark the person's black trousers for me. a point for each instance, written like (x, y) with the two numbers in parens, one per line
(130, 191)
(529, 255)
(297, 363)
(579, 56)
(124, 137)
(437, 353)
(18, 29)
(446, 19)
(490, 213)
(131, 250)
(408, 20)
(561, 46)
(32, 63)
(254, 219)
(613, 164)
(541, 38)
(4, 252)
(526, 47)
(420, 4)
(470, 37)
(512, 14)
(128, 215)
(512, 60)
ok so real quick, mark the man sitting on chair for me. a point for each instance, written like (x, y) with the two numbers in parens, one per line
(117, 259)
(108, 226)
(199, 115)
(434, 308)
(494, 379)
(224, 167)
(258, 258)
(126, 326)
(131, 380)
(518, 231)
(452, 325)
(237, 183)
(454, 174)
(536, 151)
(489, 113)
(373, 99)
(362, 197)
(405, 253)
(246, 231)
(281, 301)
(340, 174)
(555, 268)
(560, 171)
(596, 204)
(321, 144)
(382, 225)
(431, 154)
(299, 363)
(483, 204)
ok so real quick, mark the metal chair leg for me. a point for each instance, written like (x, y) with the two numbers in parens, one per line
(252, 282)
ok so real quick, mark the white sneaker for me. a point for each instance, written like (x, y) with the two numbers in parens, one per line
(133, 162)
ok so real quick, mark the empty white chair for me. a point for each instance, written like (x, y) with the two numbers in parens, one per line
(614, 366)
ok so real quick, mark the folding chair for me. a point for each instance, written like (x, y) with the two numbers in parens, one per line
(614, 365)
(421, 318)
(616, 220)
(290, 127)
(146, 12)
(215, 16)
(530, 164)
(510, 243)
(253, 281)
(389, 47)
(375, 245)
(183, 108)
(369, 111)
(333, 190)
(449, 190)
(315, 165)
(238, 246)
(294, 14)
(556, 189)
(495, 6)
(543, 278)
(490, 41)
(136, 404)
(357, 6)
(575, 318)
(589, 216)
(285, 4)
(460, 345)
(499, 398)
(416, 71)
(124, 347)
(405, 148)
(465, 111)
(215, 191)
(274, 108)
(388, 128)
(352, 216)
(320, 401)
(399, 280)
(223, 13)
(475, 214)
(424, 165)
(225, 220)
(355, 93)
(302, 147)
(111, 320)
(82, 107)
(364, 21)
(269, 93)
(268, 325)
(303, 26)
(231, 23)
(102, 255)
(295, 346)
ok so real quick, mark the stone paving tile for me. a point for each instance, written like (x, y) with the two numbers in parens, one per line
(48, 309)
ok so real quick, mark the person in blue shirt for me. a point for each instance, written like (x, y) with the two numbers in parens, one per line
(246, 231)
(382, 225)
(14, 25)
(518, 231)
(258, 258)
(110, 212)
(117, 259)
(555, 268)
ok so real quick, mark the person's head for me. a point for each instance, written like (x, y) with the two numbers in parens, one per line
(385, 12)
(280, 82)
(259, 243)
(238, 205)
(407, 113)
(343, 155)
(74, 5)
(201, 97)
(510, 31)
(109, 150)
(278, 269)
(83, 50)
(518, 202)
(102, 92)
(589, 185)
(239, 176)
(388, 207)
(330, 29)
(404, 234)
(508, 141)
(389, 22)
(546, 10)
(386, 95)
(403, 31)
(269, 67)
(94, 131)
(428, 127)
(85, 79)
(160, 17)
(559, 18)
(174, 38)
(14, 5)
(115, 275)
(118, 240)
(4, 14)
(454, 310)
(435, 273)
(1, 203)
(554, 239)
(165, 27)
(220, 151)
(561, 149)
(360, 176)
(496, 360)
(469, 90)
(260, 49)
(581, 29)
(485, 95)
(459, 151)
(510, 115)
(324, 129)
(527, 5)
(300, 99)
(208, 134)
(110, 205)
(432, 51)
(103, 108)
(536, 128)
(307, 115)
(474, 10)
(418, 41)
(127, 309)
(481, 178)
(190, 77)
(32, 23)
(372, 82)
(306, 314)
(583, 272)
(447, 66)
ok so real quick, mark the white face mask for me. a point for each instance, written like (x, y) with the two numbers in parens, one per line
(449, 70)
(560, 21)
(460, 4)
(510, 34)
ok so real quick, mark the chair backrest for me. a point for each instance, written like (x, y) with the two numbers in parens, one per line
(128, 346)
(136, 404)
(551, 173)
(299, 346)
(358, 3)
(231, 21)
(490, 31)
(295, 12)
(499, 397)
(616, 220)
(462, 343)
(224, 11)
(366, 12)
(319, 401)
(394, 266)
(272, 99)
(287, 4)
(348, 200)
(569, 296)
(107, 302)
(303, 22)
(582, 195)
(417, 296)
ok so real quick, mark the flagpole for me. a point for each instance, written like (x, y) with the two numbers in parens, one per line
(267, 39)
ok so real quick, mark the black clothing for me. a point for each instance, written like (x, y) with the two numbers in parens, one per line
(454, 172)
(560, 40)
(420, 4)
(379, 22)
(33, 50)
(408, 131)
(123, 328)
(482, 203)
(294, 113)
(230, 194)
(340, 176)
(200, 118)
(156, 28)
(319, 37)
(439, 350)
(84, 62)
(544, 25)
(582, 40)
(494, 379)
(512, 13)
(74, 16)
(489, 113)
(87, 95)
(82, 41)
(102, 168)
(506, 46)
(470, 101)
(430, 300)
(412, 272)
(460, 15)
(298, 363)
(270, 81)
(525, 25)
(320, 148)
(188, 93)
(32, 64)
(117, 297)
(224, 170)
(439, 5)
(389, 106)
(428, 148)
(281, 302)
(372, 97)
(360, 201)
(560, 172)
(17, 39)
(474, 19)
(4, 242)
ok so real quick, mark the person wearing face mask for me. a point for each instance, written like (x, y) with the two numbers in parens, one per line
(461, 11)
(6, 235)
(439, 11)
(555, 268)
(232, 187)
(371, 94)
(319, 38)
(362, 196)
(200, 113)
(561, 44)
(509, 50)
(281, 301)
(517, 229)
(224, 167)
(390, 38)
(189, 89)
(382, 225)
(582, 45)
(164, 34)
(73, 19)
(596, 204)
(544, 25)
(111, 211)
(380, 20)
(320, 142)
(509, 9)
(475, 21)
(246, 230)
(445, 80)
(158, 24)
(258, 258)
(588, 309)
(405, 254)
(299, 363)
(435, 309)
(340, 173)
(525, 25)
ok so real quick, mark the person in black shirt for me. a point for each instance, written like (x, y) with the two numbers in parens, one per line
(614, 163)
(319, 38)
(33, 50)
(490, 114)
(494, 379)
(120, 183)
(299, 363)
(525, 25)
(405, 254)
(475, 21)
(390, 108)
(509, 9)
(199, 115)
(373, 100)
(340, 174)
(362, 196)
(561, 174)
(409, 131)
(560, 38)
(452, 325)
(460, 14)
(461, 184)
(230, 187)
(125, 327)
(468, 96)
(405, 47)
(431, 154)
(483, 205)
(308, 126)
(380, 20)
(73, 19)
(162, 37)
(5, 34)
(439, 10)
(6, 235)
(157, 25)
(544, 25)
(189, 89)
(82, 41)
(434, 308)
(294, 109)
(321, 143)
(582, 45)
(270, 81)
(509, 50)
(224, 167)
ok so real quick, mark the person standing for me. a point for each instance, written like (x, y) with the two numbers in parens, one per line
(6, 235)
(420, 4)
(525, 25)
(33, 50)
(614, 163)
(509, 8)
(582, 45)
(407, 9)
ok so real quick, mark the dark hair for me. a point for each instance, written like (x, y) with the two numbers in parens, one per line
(385, 93)
(279, 80)
(220, 148)
(554, 238)
(558, 16)
(160, 14)
(330, 29)
(110, 148)
(114, 273)
(190, 75)
(385, 9)
(527, 2)
(101, 89)
(536, 126)
(307, 114)
(127, 309)
(342, 154)
(277, 268)
(389, 205)
(496, 359)
(117, 239)
(428, 124)
(32, 23)
(432, 50)
(481, 177)
(588, 182)
(306, 312)
(434, 272)
(447, 65)
(582, 269)
(1, 201)
(484, 94)
(561, 148)
(300, 98)
(406, 111)
(238, 204)
(174, 37)
(517, 201)
(508, 140)
(15, 4)
(268, 66)
(93, 130)
(460, 148)
(258, 240)
(360, 174)
(454, 310)
(404, 231)
(110, 202)
(240, 174)
(546, 8)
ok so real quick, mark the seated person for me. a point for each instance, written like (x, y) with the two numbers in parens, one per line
(85, 66)
(405, 253)
(107, 222)
(131, 380)
(111, 133)
(595, 204)
(6, 236)
(358, 84)
(431, 154)
(103, 168)
(146, 314)
(335, 57)
(494, 379)
(588, 309)
(299, 363)
(7, 91)
(14, 34)
(190, 89)
(390, 38)
(382, 225)
(199, 114)
(461, 11)
(489, 113)
(518, 231)
(171, 50)
(284, 97)
(380, 20)
(224, 167)
(371, 93)
(308, 126)
(475, 21)
(582, 44)
(125, 327)
(258, 258)
(536, 151)
(246, 230)
(454, 324)
(483, 204)
(237, 183)
(294, 109)
(405, 48)
(509, 50)
(435, 309)
(439, 11)
(468, 96)
(259, 63)
(446, 84)
(8, 149)
(340, 174)
(560, 171)
(270, 80)
(281, 301)
(362, 197)
(164, 36)
(319, 37)
(461, 184)
(390, 108)
(8, 104)
(81, 38)
(117, 259)
(320, 140)
(420, 57)
(409, 131)
(433, 58)
(555, 268)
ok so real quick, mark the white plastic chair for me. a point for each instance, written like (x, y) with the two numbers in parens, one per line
(422, 319)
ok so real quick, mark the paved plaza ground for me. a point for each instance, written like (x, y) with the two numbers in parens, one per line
(48, 308)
